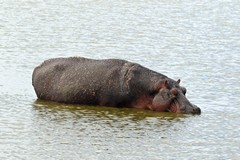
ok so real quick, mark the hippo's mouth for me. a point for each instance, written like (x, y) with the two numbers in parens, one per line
(174, 106)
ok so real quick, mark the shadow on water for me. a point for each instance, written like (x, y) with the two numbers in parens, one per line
(100, 112)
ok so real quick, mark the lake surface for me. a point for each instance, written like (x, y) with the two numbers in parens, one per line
(196, 41)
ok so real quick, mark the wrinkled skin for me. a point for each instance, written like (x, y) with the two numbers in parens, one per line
(109, 82)
(162, 100)
(172, 98)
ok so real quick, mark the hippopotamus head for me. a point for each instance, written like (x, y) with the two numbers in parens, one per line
(171, 97)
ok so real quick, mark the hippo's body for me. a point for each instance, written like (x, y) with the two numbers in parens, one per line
(109, 82)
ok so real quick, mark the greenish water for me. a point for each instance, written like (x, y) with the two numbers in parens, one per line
(196, 41)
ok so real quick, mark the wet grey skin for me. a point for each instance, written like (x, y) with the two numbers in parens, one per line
(109, 82)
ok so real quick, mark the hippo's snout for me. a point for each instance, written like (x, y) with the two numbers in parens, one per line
(196, 110)
(182, 105)
(192, 109)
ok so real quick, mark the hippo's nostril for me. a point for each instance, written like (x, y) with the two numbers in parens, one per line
(197, 110)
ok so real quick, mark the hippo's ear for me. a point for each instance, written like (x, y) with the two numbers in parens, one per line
(178, 81)
(161, 84)
(165, 84)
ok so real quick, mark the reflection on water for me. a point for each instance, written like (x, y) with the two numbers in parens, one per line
(106, 129)
(111, 117)
(105, 112)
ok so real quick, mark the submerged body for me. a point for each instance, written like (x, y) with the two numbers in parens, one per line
(110, 82)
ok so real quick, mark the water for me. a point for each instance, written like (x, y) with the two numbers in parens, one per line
(197, 41)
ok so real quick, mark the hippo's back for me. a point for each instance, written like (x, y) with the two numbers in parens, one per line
(75, 79)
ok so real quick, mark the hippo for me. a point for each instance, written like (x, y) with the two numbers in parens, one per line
(109, 82)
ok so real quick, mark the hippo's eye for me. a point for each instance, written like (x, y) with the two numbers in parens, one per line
(184, 90)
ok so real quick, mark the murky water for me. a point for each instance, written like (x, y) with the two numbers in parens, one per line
(197, 41)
